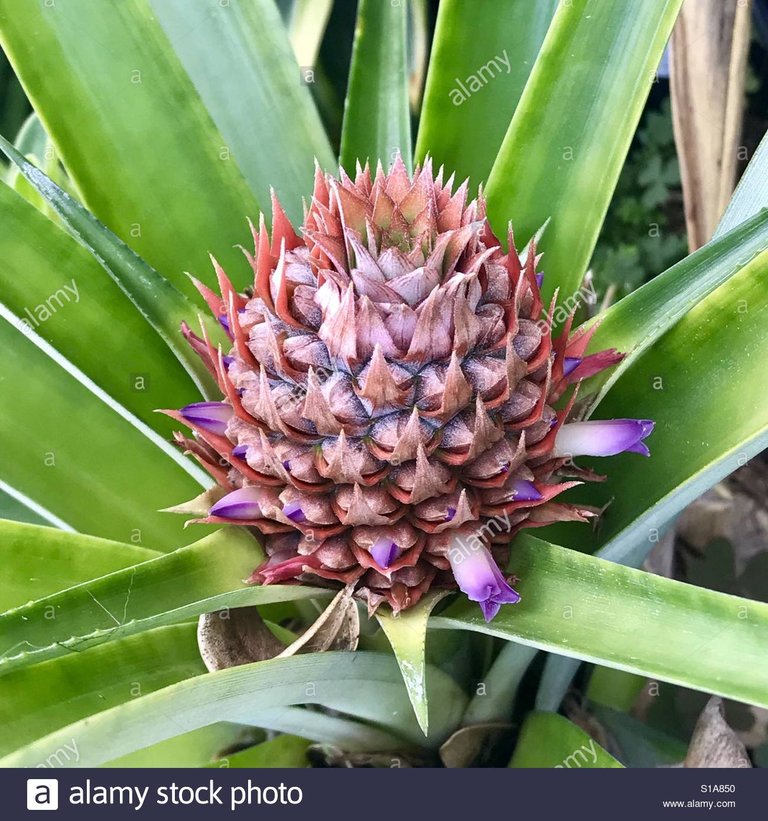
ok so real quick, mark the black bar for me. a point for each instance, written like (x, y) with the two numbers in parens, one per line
(391, 795)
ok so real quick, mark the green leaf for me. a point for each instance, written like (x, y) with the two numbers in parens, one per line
(132, 131)
(39, 561)
(549, 740)
(283, 751)
(702, 383)
(376, 117)
(639, 745)
(367, 686)
(306, 26)
(497, 699)
(594, 610)
(200, 578)
(572, 128)
(407, 633)
(614, 688)
(751, 194)
(35, 701)
(70, 447)
(164, 307)
(634, 323)
(13, 507)
(49, 280)
(196, 749)
(34, 144)
(556, 678)
(491, 46)
(240, 60)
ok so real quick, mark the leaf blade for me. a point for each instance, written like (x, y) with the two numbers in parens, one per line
(240, 60)
(469, 37)
(101, 76)
(37, 256)
(550, 740)
(159, 302)
(372, 691)
(376, 117)
(570, 133)
(166, 589)
(38, 561)
(407, 633)
(107, 479)
(599, 611)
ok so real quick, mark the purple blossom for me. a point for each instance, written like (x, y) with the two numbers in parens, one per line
(224, 322)
(478, 575)
(240, 504)
(605, 437)
(294, 512)
(525, 491)
(384, 551)
(570, 363)
(211, 416)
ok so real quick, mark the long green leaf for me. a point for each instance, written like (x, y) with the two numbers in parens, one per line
(702, 383)
(634, 323)
(53, 283)
(365, 685)
(407, 633)
(306, 27)
(283, 751)
(132, 131)
(598, 611)
(482, 54)
(376, 118)
(18, 509)
(239, 57)
(69, 446)
(639, 745)
(495, 701)
(571, 131)
(751, 194)
(161, 304)
(39, 561)
(549, 740)
(39, 700)
(200, 578)
(196, 749)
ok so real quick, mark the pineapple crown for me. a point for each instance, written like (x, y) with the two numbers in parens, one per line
(394, 403)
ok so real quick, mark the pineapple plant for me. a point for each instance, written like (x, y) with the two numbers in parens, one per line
(388, 398)
(380, 463)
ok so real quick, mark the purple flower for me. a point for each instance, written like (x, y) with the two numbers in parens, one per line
(570, 363)
(605, 437)
(240, 451)
(240, 504)
(525, 491)
(384, 551)
(294, 512)
(211, 416)
(224, 322)
(478, 575)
